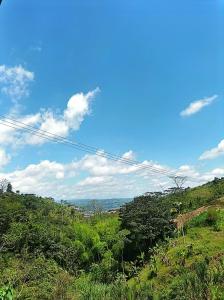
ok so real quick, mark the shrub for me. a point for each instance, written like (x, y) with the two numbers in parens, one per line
(212, 216)
(208, 218)
(6, 293)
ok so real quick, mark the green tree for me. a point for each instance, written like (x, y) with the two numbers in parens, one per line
(9, 188)
(148, 221)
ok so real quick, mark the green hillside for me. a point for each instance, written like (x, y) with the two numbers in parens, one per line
(192, 198)
(52, 251)
(190, 266)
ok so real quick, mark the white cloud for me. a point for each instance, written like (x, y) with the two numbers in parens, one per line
(78, 107)
(196, 106)
(14, 81)
(102, 178)
(35, 177)
(14, 137)
(96, 165)
(218, 172)
(4, 158)
(189, 171)
(129, 155)
(214, 152)
(185, 168)
(88, 181)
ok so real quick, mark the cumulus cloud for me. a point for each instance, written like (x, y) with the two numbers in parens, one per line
(12, 136)
(35, 177)
(214, 152)
(78, 106)
(97, 165)
(88, 181)
(218, 172)
(189, 171)
(196, 106)
(102, 178)
(14, 81)
(4, 158)
(129, 155)
(93, 176)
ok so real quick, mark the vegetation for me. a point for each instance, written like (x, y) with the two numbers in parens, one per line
(189, 266)
(190, 199)
(148, 221)
(52, 251)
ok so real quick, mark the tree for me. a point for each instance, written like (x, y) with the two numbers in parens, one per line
(179, 182)
(3, 185)
(9, 188)
(148, 221)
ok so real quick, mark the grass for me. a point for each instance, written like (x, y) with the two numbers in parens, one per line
(171, 264)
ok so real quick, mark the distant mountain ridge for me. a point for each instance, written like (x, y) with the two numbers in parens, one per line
(104, 204)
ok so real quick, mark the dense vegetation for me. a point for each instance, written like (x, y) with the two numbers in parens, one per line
(52, 251)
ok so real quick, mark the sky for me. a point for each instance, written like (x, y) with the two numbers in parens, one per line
(140, 79)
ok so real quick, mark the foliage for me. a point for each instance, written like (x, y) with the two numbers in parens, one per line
(193, 198)
(43, 243)
(50, 250)
(148, 220)
(6, 293)
(212, 217)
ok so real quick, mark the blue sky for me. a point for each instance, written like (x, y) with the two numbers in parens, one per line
(145, 63)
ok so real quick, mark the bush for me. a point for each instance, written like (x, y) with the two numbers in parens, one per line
(209, 218)
(212, 216)
(6, 293)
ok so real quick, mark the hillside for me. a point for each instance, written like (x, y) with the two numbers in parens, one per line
(190, 266)
(51, 251)
(193, 198)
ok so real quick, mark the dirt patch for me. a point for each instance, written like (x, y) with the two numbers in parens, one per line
(184, 218)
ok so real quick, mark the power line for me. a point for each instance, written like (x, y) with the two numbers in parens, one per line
(15, 124)
(77, 144)
(84, 147)
(141, 167)
(58, 139)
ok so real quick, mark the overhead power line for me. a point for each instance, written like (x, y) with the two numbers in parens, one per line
(79, 146)
(18, 125)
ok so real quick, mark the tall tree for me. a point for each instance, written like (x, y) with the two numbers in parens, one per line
(9, 188)
(148, 221)
(3, 185)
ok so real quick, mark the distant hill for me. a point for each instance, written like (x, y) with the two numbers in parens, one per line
(104, 204)
(190, 198)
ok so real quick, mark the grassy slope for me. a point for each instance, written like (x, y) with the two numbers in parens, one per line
(174, 267)
(193, 198)
(177, 263)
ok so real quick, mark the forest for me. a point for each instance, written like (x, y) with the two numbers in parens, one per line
(146, 250)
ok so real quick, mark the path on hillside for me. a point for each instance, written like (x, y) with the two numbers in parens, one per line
(184, 218)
